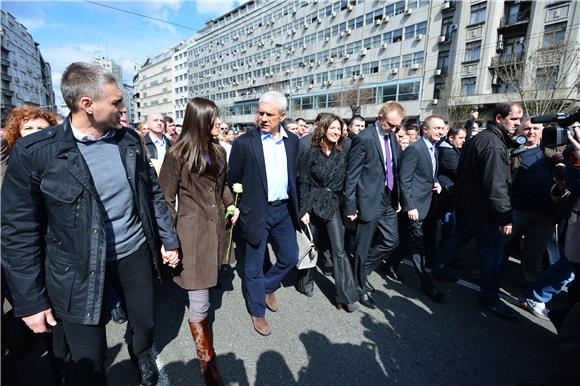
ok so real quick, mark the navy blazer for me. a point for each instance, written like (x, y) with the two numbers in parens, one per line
(365, 174)
(416, 178)
(247, 166)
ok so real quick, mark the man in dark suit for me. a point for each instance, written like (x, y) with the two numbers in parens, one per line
(371, 194)
(418, 179)
(264, 162)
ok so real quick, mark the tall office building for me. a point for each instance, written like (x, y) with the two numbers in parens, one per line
(114, 68)
(26, 77)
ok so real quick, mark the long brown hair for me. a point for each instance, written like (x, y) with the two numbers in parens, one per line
(195, 145)
(320, 132)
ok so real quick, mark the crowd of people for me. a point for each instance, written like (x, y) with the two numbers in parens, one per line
(94, 210)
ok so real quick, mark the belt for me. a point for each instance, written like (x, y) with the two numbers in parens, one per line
(276, 203)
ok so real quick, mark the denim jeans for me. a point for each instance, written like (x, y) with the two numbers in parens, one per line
(490, 243)
(552, 281)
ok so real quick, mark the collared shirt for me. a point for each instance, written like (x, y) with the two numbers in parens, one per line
(276, 165)
(431, 148)
(160, 145)
(89, 138)
(382, 144)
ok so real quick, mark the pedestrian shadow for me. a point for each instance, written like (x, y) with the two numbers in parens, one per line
(272, 369)
(170, 304)
(122, 373)
(189, 373)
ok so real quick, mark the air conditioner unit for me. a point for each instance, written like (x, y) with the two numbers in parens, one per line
(348, 32)
(435, 101)
(363, 52)
(333, 14)
(445, 5)
(354, 77)
(342, 34)
(293, 31)
(384, 46)
(267, 23)
(318, 20)
(394, 71)
(349, 8)
(346, 56)
(329, 82)
(309, 86)
(294, 10)
(311, 64)
(419, 37)
(378, 22)
(327, 38)
(318, 62)
(386, 19)
(271, 74)
(330, 60)
(306, 25)
(495, 80)
(289, 32)
(361, 76)
(441, 39)
(408, 12)
(438, 72)
(287, 71)
(415, 66)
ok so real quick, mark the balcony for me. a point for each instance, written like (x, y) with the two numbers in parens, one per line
(8, 93)
(6, 78)
(506, 59)
(515, 20)
(448, 6)
(4, 62)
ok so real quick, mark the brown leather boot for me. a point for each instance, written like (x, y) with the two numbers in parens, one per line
(203, 344)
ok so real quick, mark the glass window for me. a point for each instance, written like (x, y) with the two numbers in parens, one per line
(472, 51)
(443, 61)
(334, 99)
(468, 86)
(407, 60)
(307, 102)
(320, 101)
(421, 28)
(477, 13)
(410, 32)
(397, 35)
(368, 96)
(388, 93)
(409, 91)
(547, 78)
(554, 34)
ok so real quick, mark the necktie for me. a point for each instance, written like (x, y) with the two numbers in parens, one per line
(433, 160)
(389, 164)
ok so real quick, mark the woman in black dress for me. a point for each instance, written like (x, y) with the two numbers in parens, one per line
(321, 182)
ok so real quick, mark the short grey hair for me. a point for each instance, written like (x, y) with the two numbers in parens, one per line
(83, 80)
(276, 98)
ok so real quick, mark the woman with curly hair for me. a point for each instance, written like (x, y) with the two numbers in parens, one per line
(321, 181)
(22, 121)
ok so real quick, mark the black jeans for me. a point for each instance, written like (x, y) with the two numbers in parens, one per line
(132, 279)
(376, 240)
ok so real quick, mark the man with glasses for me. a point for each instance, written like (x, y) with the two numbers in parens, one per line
(371, 194)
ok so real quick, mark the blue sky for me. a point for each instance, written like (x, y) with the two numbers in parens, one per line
(70, 31)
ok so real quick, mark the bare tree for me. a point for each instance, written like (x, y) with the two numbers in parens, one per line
(545, 79)
(451, 104)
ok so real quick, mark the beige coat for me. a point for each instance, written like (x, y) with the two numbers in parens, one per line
(199, 219)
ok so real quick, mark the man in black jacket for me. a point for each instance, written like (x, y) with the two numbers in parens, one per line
(371, 194)
(82, 210)
(483, 195)
(156, 141)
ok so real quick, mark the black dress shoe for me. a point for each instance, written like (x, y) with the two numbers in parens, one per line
(367, 301)
(368, 287)
(434, 294)
(444, 275)
(118, 315)
(148, 372)
(392, 274)
(500, 309)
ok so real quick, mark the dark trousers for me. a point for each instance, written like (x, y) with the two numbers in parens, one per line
(305, 277)
(416, 249)
(280, 230)
(375, 240)
(132, 279)
(329, 239)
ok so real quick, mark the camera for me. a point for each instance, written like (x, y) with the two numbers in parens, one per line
(556, 132)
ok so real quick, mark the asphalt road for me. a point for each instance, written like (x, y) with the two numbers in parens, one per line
(406, 340)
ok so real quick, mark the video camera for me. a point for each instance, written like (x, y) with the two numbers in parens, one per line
(556, 132)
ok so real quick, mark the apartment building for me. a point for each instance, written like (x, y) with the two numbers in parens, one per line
(112, 67)
(26, 77)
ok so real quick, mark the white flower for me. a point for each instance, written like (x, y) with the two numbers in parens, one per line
(238, 188)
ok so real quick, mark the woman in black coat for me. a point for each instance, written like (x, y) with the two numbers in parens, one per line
(321, 182)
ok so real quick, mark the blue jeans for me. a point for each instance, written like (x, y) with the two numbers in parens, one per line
(490, 243)
(280, 230)
(456, 232)
(552, 281)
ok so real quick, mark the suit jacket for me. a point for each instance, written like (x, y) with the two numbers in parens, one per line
(151, 146)
(416, 178)
(247, 166)
(366, 175)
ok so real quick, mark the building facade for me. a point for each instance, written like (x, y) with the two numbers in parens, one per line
(350, 56)
(26, 77)
(112, 67)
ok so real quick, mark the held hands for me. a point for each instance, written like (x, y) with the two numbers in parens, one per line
(235, 213)
(437, 187)
(171, 258)
(413, 214)
(40, 322)
(352, 217)
(506, 229)
(305, 219)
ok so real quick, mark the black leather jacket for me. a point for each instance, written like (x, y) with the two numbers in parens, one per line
(53, 235)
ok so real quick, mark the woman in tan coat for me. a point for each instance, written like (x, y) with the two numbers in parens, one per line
(193, 179)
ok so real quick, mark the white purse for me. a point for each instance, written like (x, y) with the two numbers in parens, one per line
(307, 253)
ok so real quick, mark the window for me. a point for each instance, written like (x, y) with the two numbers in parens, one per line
(477, 13)
(554, 34)
(513, 49)
(547, 77)
(446, 29)
(443, 61)
(409, 91)
(320, 101)
(437, 92)
(472, 51)
(468, 86)
(388, 93)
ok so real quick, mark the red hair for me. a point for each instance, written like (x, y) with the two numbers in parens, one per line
(22, 114)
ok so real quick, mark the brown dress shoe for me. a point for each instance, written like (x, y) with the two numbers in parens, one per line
(272, 302)
(203, 344)
(261, 325)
